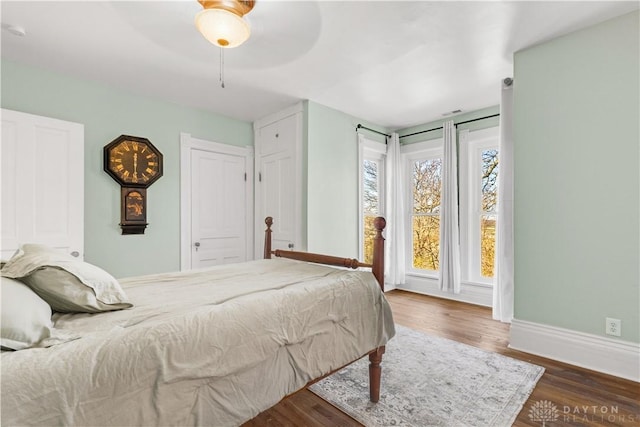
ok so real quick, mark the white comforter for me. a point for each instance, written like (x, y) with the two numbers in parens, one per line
(211, 347)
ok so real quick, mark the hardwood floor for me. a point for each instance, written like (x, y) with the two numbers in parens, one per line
(583, 397)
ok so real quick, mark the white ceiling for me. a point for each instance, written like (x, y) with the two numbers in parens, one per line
(393, 63)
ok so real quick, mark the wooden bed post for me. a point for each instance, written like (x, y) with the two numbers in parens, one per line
(378, 251)
(375, 372)
(375, 357)
(267, 237)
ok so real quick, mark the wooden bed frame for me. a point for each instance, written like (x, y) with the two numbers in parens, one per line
(377, 268)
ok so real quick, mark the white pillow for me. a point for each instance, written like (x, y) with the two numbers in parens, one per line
(26, 318)
(66, 283)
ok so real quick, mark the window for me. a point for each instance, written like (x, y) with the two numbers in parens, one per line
(478, 203)
(372, 156)
(424, 175)
(477, 186)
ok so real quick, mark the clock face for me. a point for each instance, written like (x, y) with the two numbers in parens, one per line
(133, 161)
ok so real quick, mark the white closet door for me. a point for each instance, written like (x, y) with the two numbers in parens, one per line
(42, 183)
(278, 199)
(278, 141)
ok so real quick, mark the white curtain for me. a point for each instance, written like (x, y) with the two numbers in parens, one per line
(449, 233)
(395, 215)
(504, 286)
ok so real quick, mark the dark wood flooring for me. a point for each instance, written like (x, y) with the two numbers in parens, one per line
(583, 397)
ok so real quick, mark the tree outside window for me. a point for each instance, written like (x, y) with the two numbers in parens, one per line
(370, 204)
(488, 215)
(427, 186)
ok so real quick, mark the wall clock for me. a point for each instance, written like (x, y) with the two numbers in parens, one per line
(135, 164)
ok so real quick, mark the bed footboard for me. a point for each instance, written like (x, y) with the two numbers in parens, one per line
(377, 268)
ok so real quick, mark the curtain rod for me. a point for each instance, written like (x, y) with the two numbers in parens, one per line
(456, 124)
(371, 130)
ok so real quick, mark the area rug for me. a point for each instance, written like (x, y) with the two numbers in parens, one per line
(433, 381)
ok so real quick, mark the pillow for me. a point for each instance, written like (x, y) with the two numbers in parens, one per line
(66, 283)
(26, 318)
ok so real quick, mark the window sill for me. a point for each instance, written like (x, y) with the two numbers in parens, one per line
(478, 284)
(436, 277)
(422, 275)
(470, 292)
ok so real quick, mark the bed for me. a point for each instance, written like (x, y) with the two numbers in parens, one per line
(206, 347)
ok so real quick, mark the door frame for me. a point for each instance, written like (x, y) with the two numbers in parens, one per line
(187, 144)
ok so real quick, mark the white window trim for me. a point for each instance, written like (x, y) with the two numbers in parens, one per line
(369, 150)
(410, 153)
(472, 143)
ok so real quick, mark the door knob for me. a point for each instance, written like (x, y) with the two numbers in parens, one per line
(75, 254)
(290, 245)
(197, 245)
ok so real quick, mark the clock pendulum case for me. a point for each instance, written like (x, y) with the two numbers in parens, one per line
(135, 164)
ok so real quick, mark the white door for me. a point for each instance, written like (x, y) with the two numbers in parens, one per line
(216, 203)
(218, 209)
(278, 140)
(42, 183)
(277, 191)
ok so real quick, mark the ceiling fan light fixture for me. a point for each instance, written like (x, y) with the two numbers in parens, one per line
(222, 22)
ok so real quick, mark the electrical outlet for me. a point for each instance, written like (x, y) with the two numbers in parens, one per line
(613, 326)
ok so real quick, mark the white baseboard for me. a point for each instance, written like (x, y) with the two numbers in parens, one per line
(389, 287)
(602, 354)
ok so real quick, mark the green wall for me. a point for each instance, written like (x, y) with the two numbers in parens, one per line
(332, 179)
(577, 181)
(107, 113)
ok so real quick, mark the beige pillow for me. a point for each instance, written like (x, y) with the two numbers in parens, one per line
(66, 283)
(26, 318)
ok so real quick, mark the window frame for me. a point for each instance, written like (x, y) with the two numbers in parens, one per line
(371, 150)
(472, 144)
(424, 150)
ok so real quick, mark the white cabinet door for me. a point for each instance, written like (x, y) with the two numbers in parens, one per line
(277, 192)
(218, 209)
(278, 141)
(42, 183)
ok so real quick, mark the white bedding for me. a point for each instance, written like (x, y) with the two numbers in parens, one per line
(210, 347)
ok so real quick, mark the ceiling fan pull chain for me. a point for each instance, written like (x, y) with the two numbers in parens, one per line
(222, 68)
